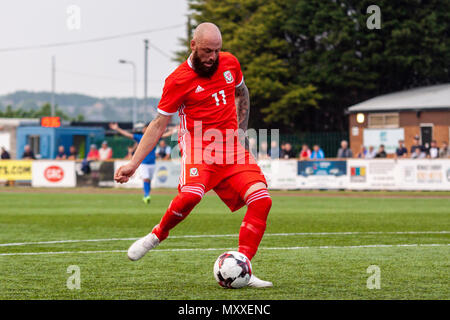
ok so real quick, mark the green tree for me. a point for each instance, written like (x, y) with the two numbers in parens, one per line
(306, 61)
(43, 111)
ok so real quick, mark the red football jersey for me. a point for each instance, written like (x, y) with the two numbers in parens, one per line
(206, 106)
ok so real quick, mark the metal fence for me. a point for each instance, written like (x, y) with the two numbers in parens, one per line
(329, 142)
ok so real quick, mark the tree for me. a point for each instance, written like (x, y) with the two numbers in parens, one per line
(44, 111)
(305, 61)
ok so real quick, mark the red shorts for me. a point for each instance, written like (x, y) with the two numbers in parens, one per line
(229, 181)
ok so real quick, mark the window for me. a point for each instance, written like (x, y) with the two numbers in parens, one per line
(34, 142)
(384, 120)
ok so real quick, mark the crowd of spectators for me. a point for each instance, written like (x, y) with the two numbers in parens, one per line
(285, 151)
(417, 151)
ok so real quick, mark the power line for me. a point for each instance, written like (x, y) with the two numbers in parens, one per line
(71, 43)
(97, 76)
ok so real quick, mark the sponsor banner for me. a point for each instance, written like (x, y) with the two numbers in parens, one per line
(372, 174)
(402, 174)
(322, 174)
(15, 169)
(280, 174)
(53, 173)
(166, 175)
(424, 174)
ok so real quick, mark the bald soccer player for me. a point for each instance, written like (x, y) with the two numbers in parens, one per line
(210, 96)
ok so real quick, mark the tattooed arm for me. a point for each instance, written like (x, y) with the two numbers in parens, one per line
(243, 111)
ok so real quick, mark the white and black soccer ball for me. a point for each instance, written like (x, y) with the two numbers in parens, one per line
(232, 270)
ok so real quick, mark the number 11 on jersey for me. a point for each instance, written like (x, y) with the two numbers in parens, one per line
(215, 96)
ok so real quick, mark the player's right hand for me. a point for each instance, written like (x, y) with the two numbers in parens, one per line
(124, 173)
(113, 126)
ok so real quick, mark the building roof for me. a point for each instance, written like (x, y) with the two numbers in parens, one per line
(423, 98)
(15, 122)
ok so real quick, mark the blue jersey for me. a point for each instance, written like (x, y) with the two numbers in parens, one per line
(150, 158)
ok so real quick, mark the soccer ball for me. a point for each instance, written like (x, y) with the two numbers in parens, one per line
(232, 270)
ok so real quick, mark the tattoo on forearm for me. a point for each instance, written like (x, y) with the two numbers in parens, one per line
(243, 112)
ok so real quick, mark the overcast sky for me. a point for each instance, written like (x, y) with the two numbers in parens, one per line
(90, 68)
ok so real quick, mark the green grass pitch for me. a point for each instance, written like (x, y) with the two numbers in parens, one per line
(315, 247)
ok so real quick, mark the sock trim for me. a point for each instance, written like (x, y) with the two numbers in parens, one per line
(257, 195)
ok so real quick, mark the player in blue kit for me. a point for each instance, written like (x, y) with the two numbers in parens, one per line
(147, 167)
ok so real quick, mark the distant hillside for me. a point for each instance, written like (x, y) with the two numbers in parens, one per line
(73, 104)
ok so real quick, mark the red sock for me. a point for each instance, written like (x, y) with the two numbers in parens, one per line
(179, 208)
(254, 223)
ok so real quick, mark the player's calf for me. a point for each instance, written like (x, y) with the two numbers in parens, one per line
(179, 209)
(254, 223)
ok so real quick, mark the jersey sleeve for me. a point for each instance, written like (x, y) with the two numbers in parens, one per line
(238, 76)
(172, 98)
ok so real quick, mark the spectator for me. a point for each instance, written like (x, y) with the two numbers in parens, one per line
(381, 153)
(305, 153)
(317, 153)
(5, 154)
(371, 153)
(274, 151)
(287, 152)
(416, 145)
(93, 153)
(61, 154)
(72, 153)
(401, 151)
(28, 153)
(445, 151)
(362, 152)
(130, 152)
(426, 149)
(105, 152)
(344, 151)
(418, 154)
(163, 151)
(433, 152)
(263, 152)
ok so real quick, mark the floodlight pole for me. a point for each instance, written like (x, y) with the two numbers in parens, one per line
(145, 77)
(52, 101)
(134, 113)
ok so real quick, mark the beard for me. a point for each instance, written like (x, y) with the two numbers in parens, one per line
(201, 69)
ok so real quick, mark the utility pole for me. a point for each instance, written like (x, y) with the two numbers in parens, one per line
(52, 101)
(134, 111)
(145, 78)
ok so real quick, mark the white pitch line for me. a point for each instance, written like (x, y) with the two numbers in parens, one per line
(415, 245)
(228, 235)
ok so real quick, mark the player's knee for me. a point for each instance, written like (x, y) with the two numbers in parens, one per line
(190, 199)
